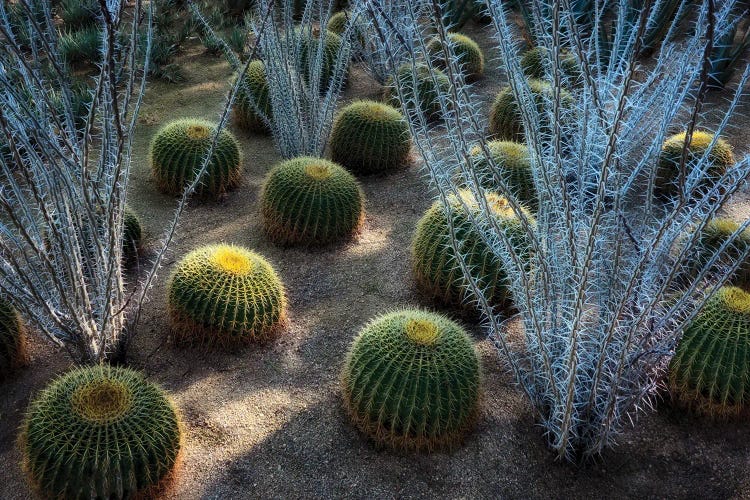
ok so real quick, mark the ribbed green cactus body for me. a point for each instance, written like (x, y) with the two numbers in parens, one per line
(311, 201)
(337, 22)
(370, 137)
(710, 370)
(309, 49)
(533, 64)
(714, 234)
(255, 89)
(12, 340)
(177, 153)
(512, 165)
(469, 55)
(720, 158)
(100, 432)
(412, 381)
(225, 295)
(436, 267)
(505, 116)
(132, 233)
(422, 90)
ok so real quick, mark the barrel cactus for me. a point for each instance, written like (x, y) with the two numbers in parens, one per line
(309, 49)
(337, 22)
(177, 153)
(412, 381)
(720, 158)
(225, 295)
(713, 235)
(533, 64)
(12, 340)
(253, 90)
(429, 84)
(710, 371)
(369, 137)
(505, 116)
(100, 432)
(132, 233)
(311, 201)
(435, 265)
(467, 51)
(513, 166)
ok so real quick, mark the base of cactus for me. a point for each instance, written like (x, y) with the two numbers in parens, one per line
(282, 236)
(445, 297)
(187, 332)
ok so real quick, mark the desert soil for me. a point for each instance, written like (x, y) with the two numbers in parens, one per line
(267, 421)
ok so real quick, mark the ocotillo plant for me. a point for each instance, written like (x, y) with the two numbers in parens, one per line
(603, 302)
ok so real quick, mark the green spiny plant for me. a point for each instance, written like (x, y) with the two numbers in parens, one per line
(177, 153)
(534, 61)
(370, 137)
(225, 295)
(311, 201)
(412, 381)
(435, 265)
(132, 233)
(467, 51)
(81, 46)
(423, 79)
(717, 231)
(512, 165)
(309, 47)
(252, 96)
(78, 14)
(710, 371)
(100, 432)
(12, 340)
(505, 115)
(337, 22)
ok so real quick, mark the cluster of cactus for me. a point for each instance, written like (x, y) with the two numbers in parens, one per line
(512, 165)
(369, 137)
(100, 432)
(178, 151)
(469, 55)
(132, 233)
(12, 340)
(420, 86)
(311, 201)
(534, 63)
(252, 96)
(719, 158)
(435, 265)
(412, 381)
(225, 295)
(710, 371)
(308, 54)
(714, 234)
(505, 116)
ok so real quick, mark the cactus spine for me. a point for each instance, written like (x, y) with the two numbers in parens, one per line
(469, 55)
(513, 166)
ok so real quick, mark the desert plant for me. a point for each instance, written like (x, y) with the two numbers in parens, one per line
(100, 432)
(536, 61)
(711, 238)
(411, 381)
(12, 340)
(435, 259)
(337, 22)
(132, 233)
(225, 295)
(81, 46)
(309, 45)
(469, 55)
(370, 137)
(602, 301)
(509, 160)
(710, 371)
(311, 201)
(177, 153)
(77, 14)
(419, 87)
(729, 51)
(253, 105)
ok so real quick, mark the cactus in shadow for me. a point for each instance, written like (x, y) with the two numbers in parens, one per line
(512, 165)
(419, 85)
(132, 234)
(535, 62)
(225, 295)
(469, 55)
(717, 231)
(100, 432)
(12, 340)
(411, 381)
(252, 105)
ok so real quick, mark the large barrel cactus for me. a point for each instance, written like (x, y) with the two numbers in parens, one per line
(225, 295)
(311, 201)
(369, 137)
(177, 153)
(710, 371)
(253, 90)
(100, 432)
(435, 265)
(412, 381)
(420, 86)
(12, 340)
(512, 165)
(469, 55)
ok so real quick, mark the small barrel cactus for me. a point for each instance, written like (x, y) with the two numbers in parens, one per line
(720, 158)
(100, 432)
(513, 166)
(132, 233)
(12, 340)
(309, 49)
(225, 295)
(469, 55)
(177, 153)
(424, 81)
(435, 265)
(253, 90)
(714, 234)
(710, 371)
(533, 64)
(370, 137)
(412, 381)
(505, 116)
(337, 22)
(311, 201)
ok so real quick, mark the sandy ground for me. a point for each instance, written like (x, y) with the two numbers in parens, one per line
(267, 421)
